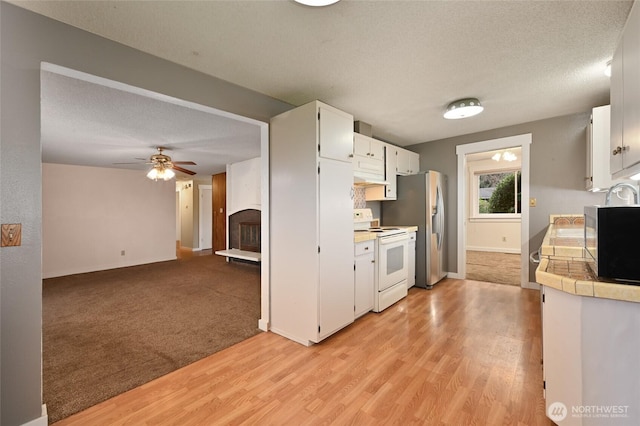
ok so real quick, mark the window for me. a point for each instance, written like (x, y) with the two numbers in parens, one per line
(497, 194)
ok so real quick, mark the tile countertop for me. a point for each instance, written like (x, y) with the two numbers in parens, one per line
(563, 264)
(362, 236)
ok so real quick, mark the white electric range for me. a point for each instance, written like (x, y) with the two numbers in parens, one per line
(391, 259)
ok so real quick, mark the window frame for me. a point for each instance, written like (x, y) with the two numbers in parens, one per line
(475, 215)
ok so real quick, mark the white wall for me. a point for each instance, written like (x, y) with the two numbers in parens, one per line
(494, 235)
(90, 215)
(243, 186)
(28, 40)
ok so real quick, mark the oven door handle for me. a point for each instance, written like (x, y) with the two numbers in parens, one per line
(393, 239)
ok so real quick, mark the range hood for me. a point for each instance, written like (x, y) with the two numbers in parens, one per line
(360, 179)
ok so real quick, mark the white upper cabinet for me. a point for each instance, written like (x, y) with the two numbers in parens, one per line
(625, 100)
(336, 135)
(368, 147)
(408, 162)
(598, 177)
(388, 191)
(368, 157)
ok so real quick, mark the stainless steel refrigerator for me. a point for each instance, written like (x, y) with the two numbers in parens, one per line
(420, 201)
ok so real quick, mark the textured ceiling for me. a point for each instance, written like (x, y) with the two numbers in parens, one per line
(92, 124)
(393, 64)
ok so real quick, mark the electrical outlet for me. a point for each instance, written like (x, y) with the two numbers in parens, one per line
(504, 239)
(532, 202)
(122, 253)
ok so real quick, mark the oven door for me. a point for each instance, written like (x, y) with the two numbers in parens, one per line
(393, 255)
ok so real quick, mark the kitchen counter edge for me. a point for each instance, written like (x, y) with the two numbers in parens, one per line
(588, 288)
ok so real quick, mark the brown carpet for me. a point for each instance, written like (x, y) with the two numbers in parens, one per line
(110, 331)
(501, 268)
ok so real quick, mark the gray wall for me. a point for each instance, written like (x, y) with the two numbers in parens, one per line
(26, 40)
(558, 168)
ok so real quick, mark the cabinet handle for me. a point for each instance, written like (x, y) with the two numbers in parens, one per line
(620, 150)
(366, 248)
(350, 155)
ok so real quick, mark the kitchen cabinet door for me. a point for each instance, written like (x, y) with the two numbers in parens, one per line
(336, 247)
(562, 363)
(364, 276)
(617, 94)
(388, 191)
(368, 158)
(335, 134)
(598, 141)
(625, 100)
(631, 85)
(368, 147)
(408, 162)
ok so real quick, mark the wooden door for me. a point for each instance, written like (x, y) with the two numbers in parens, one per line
(219, 198)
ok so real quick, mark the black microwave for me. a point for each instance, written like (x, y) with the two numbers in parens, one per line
(612, 241)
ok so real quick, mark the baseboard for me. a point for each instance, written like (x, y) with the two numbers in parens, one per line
(495, 249)
(263, 324)
(43, 420)
(454, 275)
(532, 286)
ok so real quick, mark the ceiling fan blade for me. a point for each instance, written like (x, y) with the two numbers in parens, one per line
(180, 169)
(184, 162)
(135, 162)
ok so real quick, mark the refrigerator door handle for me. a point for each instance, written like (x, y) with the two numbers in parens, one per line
(440, 217)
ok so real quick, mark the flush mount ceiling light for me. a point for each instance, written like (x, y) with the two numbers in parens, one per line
(506, 156)
(463, 108)
(316, 3)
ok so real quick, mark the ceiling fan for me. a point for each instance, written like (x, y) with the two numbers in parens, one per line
(163, 166)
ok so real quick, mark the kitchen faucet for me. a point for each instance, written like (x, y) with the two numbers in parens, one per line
(633, 189)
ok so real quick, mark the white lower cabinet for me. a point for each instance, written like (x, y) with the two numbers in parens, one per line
(364, 272)
(591, 348)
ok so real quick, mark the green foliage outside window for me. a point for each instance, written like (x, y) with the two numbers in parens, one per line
(503, 199)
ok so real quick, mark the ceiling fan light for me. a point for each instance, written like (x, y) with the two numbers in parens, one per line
(168, 174)
(153, 174)
(159, 172)
(463, 108)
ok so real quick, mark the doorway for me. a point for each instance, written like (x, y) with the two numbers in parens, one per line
(219, 184)
(523, 142)
(205, 228)
(492, 216)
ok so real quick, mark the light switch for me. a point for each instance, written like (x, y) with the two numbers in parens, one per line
(11, 234)
(532, 202)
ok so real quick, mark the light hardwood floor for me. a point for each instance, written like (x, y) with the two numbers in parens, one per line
(464, 353)
(493, 267)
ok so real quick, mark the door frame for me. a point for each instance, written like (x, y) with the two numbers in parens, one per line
(202, 217)
(524, 142)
